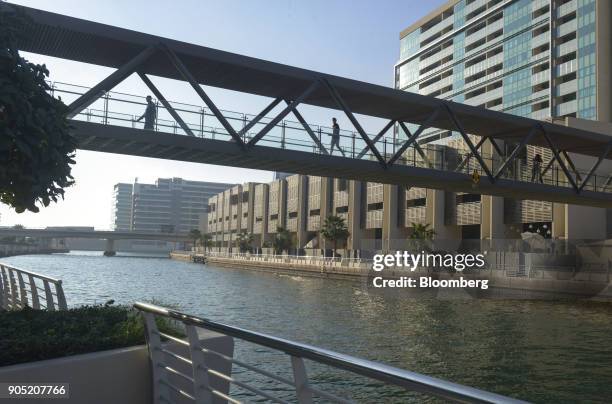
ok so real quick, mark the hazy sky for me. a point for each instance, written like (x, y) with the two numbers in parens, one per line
(356, 39)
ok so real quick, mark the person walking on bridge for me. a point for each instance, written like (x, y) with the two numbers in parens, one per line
(149, 115)
(335, 138)
(536, 169)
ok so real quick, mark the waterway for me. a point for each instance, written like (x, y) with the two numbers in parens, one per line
(541, 351)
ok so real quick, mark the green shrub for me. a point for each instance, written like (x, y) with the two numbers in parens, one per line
(32, 335)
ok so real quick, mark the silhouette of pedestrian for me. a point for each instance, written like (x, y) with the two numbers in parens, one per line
(149, 115)
(536, 169)
(335, 137)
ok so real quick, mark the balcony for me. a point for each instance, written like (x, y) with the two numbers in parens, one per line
(566, 68)
(566, 48)
(566, 8)
(567, 108)
(566, 28)
(566, 88)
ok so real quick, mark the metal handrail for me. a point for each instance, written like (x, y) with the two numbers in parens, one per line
(408, 380)
(19, 289)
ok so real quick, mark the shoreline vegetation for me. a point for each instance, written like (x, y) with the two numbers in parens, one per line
(33, 335)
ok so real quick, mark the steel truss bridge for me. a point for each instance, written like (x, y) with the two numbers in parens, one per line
(93, 234)
(102, 121)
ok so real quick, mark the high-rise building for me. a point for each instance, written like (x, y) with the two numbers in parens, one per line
(534, 58)
(171, 205)
(543, 59)
(121, 207)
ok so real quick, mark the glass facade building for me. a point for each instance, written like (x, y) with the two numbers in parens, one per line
(533, 58)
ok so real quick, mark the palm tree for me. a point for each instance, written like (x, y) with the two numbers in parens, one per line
(206, 241)
(334, 229)
(282, 240)
(244, 241)
(195, 235)
(421, 235)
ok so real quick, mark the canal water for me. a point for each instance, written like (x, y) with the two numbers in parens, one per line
(541, 351)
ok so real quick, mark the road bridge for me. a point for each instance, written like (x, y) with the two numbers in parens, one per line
(109, 236)
(495, 141)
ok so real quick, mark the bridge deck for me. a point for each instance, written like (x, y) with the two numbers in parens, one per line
(145, 143)
(90, 42)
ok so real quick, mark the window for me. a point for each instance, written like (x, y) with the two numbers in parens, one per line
(342, 209)
(413, 203)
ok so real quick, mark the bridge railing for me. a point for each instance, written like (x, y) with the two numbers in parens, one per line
(292, 135)
(20, 288)
(271, 387)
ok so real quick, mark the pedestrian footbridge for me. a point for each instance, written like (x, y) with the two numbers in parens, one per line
(490, 161)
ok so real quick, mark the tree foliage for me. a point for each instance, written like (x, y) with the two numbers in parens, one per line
(244, 241)
(36, 148)
(282, 240)
(195, 235)
(421, 236)
(334, 229)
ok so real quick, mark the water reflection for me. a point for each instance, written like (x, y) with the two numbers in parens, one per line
(540, 351)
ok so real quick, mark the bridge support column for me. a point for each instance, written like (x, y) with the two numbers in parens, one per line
(109, 251)
(391, 236)
(353, 244)
(435, 213)
(327, 194)
(302, 217)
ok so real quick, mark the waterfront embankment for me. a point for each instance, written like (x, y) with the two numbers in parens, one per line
(538, 282)
(9, 250)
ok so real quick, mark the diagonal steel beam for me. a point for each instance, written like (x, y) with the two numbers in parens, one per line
(283, 113)
(417, 147)
(182, 69)
(467, 140)
(377, 137)
(548, 166)
(516, 151)
(338, 99)
(108, 83)
(469, 155)
(312, 135)
(571, 164)
(594, 167)
(165, 103)
(555, 152)
(413, 137)
(498, 149)
(263, 113)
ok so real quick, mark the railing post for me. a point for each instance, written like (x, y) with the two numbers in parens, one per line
(300, 379)
(5, 287)
(202, 114)
(105, 118)
(61, 298)
(13, 283)
(49, 296)
(201, 383)
(34, 293)
(160, 388)
(22, 290)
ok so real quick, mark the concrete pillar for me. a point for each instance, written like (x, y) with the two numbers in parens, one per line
(492, 225)
(435, 213)
(354, 217)
(302, 217)
(558, 221)
(390, 231)
(327, 195)
(264, 219)
(282, 204)
(109, 250)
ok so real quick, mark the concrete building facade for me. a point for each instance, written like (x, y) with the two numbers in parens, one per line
(171, 205)
(543, 59)
(121, 208)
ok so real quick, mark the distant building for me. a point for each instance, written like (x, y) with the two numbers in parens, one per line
(171, 205)
(121, 210)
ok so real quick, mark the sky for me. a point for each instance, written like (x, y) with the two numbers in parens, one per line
(358, 39)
